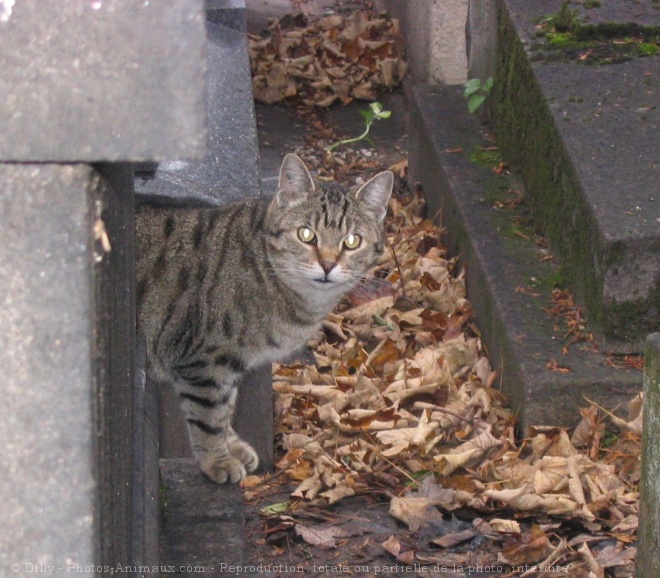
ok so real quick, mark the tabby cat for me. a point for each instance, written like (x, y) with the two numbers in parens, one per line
(222, 290)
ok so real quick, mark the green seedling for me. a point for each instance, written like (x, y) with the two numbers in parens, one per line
(374, 112)
(476, 92)
(276, 508)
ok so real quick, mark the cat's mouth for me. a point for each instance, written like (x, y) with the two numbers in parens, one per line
(324, 280)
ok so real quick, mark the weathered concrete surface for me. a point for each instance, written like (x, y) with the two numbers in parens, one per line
(648, 549)
(482, 38)
(112, 323)
(230, 169)
(101, 81)
(435, 34)
(508, 285)
(66, 346)
(202, 523)
(228, 13)
(584, 139)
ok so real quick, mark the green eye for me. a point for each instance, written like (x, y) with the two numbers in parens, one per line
(352, 241)
(306, 235)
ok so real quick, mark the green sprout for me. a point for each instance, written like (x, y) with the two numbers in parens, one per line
(374, 112)
(476, 92)
(276, 508)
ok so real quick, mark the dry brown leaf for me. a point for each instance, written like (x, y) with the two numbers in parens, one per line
(415, 512)
(615, 556)
(401, 439)
(453, 538)
(550, 474)
(504, 526)
(528, 548)
(519, 498)
(323, 537)
(467, 452)
(400, 387)
(362, 51)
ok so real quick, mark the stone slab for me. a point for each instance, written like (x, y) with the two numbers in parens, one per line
(648, 548)
(100, 80)
(228, 13)
(584, 138)
(621, 11)
(202, 523)
(501, 270)
(435, 34)
(66, 345)
(230, 170)
(112, 322)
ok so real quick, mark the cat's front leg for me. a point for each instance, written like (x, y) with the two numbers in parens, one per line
(208, 400)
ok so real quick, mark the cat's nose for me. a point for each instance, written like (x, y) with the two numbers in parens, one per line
(327, 266)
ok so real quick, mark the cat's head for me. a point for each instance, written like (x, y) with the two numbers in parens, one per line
(325, 239)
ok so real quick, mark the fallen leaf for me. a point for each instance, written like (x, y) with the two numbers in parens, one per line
(528, 548)
(324, 537)
(415, 512)
(454, 538)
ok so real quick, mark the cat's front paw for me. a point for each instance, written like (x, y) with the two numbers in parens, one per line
(223, 470)
(244, 453)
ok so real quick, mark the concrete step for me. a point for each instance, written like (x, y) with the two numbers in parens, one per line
(507, 283)
(585, 140)
(230, 169)
(202, 524)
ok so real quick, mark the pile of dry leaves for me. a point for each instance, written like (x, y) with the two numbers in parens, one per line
(328, 60)
(402, 400)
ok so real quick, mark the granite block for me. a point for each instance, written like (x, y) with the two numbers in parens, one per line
(102, 81)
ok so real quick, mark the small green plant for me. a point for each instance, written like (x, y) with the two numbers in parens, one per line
(374, 112)
(566, 20)
(476, 92)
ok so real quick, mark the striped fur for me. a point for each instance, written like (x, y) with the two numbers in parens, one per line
(223, 290)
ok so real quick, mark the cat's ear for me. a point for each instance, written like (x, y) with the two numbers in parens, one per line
(375, 193)
(295, 181)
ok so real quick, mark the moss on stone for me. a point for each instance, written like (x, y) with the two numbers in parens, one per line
(566, 38)
(529, 141)
(617, 31)
(647, 49)
(486, 158)
(523, 115)
(560, 39)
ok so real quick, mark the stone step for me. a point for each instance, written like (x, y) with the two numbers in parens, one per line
(230, 169)
(584, 139)
(202, 524)
(507, 283)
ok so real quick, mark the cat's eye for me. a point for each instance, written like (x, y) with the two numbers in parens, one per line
(352, 241)
(306, 235)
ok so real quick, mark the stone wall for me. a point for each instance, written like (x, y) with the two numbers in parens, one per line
(93, 86)
(447, 40)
